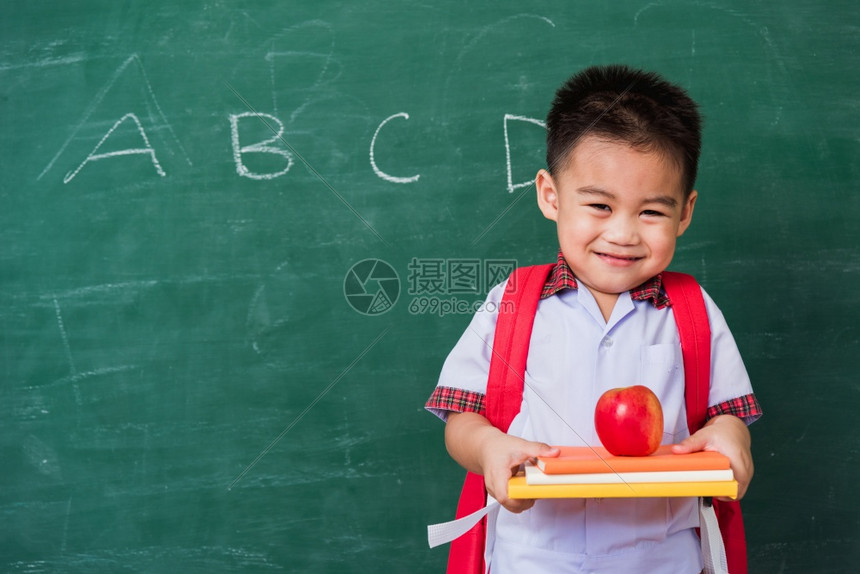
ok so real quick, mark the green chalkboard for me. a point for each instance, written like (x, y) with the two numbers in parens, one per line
(239, 238)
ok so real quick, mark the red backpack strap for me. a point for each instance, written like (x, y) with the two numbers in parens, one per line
(731, 523)
(694, 328)
(503, 400)
(691, 316)
(516, 317)
(466, 555)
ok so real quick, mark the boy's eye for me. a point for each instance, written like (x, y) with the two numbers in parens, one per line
(599, 206)
(653, 213)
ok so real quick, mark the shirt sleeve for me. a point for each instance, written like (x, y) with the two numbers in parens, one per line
(745, 408)
(446, 399)
(462, 384)
(731, 390)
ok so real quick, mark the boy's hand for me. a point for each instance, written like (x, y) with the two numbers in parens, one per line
(729, 435)
(483, 449)
(502, 455)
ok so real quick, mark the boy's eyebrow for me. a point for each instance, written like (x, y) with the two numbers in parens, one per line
(666, 200)
(589, 190)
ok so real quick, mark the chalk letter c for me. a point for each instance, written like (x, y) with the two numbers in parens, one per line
(376, 169)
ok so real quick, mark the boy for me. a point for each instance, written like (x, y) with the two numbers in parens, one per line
(622, 156)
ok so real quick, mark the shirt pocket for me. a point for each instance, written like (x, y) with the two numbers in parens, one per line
(660, 359)
(661, 370)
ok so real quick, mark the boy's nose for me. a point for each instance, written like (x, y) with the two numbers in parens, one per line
(621, 231)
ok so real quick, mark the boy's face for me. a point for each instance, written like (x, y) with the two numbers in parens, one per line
(619, 213)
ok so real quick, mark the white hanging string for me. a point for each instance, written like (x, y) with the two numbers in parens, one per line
(713, 551)
(445, 532)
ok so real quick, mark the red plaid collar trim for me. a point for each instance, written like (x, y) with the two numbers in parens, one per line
(561, 277)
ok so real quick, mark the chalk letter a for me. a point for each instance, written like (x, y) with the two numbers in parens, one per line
(95, 156)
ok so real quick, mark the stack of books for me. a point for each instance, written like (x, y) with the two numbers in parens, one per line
(591, 472)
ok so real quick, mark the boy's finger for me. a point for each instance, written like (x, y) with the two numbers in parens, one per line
(689, 444)
(550, 451)
(541, 449)
(519, 505)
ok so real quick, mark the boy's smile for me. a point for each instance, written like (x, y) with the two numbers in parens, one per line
(619, 212)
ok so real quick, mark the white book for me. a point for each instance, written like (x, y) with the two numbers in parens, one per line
(534, 475)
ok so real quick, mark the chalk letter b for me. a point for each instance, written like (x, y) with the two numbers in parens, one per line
(260, 147)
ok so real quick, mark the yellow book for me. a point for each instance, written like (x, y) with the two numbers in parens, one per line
(518, 488)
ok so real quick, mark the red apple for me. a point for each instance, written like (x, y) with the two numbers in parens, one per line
(629, 421)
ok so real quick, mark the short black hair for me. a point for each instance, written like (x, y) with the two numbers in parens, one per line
(623, 104)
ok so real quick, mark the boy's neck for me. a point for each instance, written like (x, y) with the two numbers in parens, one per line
(605, 302)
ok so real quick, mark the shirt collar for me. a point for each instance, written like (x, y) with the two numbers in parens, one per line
(561, 277)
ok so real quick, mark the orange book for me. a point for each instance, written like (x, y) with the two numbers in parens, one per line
(591, 460)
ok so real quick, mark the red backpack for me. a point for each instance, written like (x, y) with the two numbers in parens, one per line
(505, 392)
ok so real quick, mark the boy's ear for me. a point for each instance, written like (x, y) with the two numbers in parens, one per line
(547, 195)
(687, 213)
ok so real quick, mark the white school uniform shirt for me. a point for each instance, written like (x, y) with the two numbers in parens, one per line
(574, 356)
